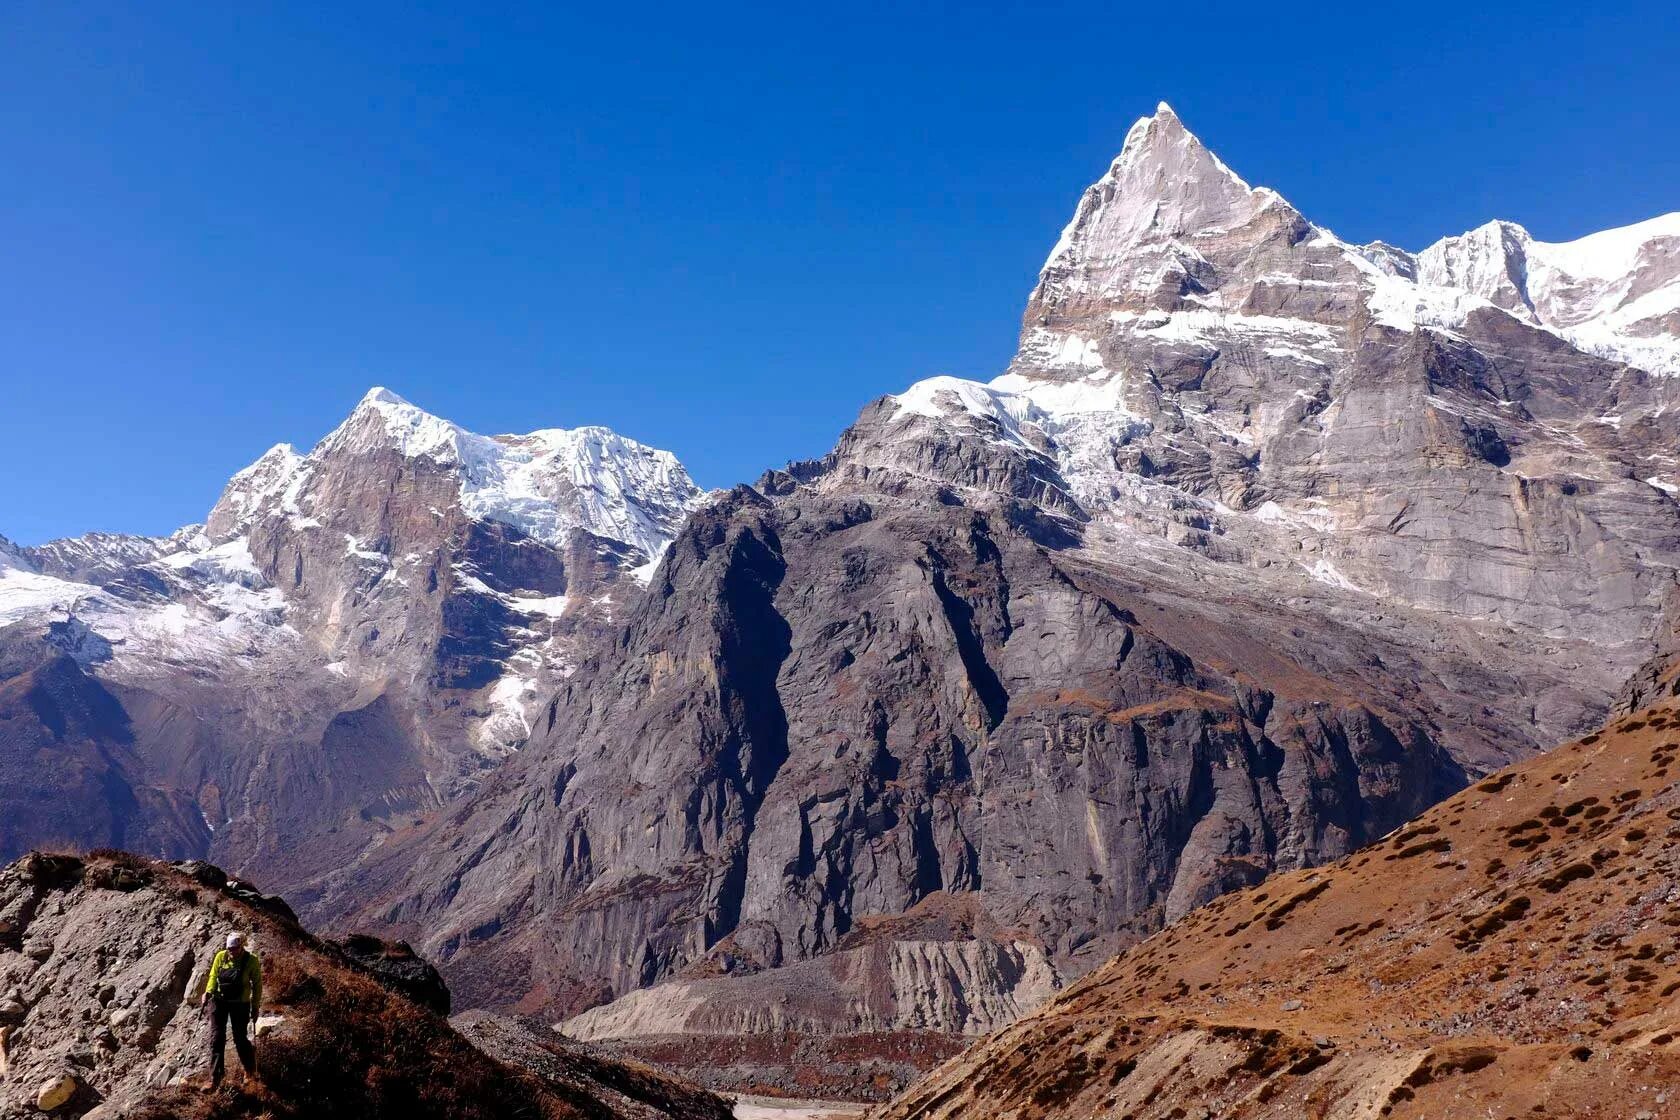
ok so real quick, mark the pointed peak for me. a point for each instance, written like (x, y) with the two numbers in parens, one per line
(381, 395)
(280, 452)
(1499, 227)
(1496, 239)
(1157, 136)
(1160, 148)
(1165, 184)
(392, 409)
(382, 419)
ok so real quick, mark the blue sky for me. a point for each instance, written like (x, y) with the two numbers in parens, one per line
(718, 230)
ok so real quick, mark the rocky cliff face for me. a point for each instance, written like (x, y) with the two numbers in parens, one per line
(1264, 542)
(352, 639)
(832, 708)
(859, 1022)
(68, 761)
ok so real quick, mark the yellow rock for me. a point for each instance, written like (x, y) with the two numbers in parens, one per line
(56, 1092)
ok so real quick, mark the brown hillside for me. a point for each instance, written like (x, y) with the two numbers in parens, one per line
(1511, 953)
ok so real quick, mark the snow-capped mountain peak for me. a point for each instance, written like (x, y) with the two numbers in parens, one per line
(1172, 244)
(1615, 293)
(384, 420)
(379, 395)
(403, 561)
(544, 483)
(1489, 261)
(592, 478)
(1191, 333)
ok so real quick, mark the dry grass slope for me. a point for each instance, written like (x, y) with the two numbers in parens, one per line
(1511, 953)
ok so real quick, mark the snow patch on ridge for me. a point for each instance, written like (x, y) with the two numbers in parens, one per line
(1082, 421)
(1584, 291)
(617, 488)
(1608, 254)
(25, 593)
(221, 609)
(509, 721)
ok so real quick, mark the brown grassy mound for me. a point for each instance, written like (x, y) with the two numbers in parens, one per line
(1511, 953)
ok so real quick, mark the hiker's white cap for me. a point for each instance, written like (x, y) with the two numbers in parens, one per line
(235, 940)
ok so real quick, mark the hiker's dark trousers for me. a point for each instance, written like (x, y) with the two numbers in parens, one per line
(225, 1014)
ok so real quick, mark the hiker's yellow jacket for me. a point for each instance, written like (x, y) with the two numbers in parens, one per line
(235, 981)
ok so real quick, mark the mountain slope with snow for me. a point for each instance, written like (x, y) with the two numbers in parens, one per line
(1614, 294)
(406, 585)
(546, 484)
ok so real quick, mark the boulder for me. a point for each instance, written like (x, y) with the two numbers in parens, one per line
(56, 1092)
(396, 965)
(249, 895)
(199, 871)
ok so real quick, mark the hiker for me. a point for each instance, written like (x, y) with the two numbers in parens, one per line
(234, 991)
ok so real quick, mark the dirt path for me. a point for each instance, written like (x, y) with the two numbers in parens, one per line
(774, 1108)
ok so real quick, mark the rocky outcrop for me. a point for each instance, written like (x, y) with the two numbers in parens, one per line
(96, 967)
(858, 1023)
(398, 967)
(100, 962)
(1509, 953)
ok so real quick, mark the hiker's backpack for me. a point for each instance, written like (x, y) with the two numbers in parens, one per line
(228, 976)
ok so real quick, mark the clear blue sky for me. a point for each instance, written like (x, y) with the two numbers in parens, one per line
(717, 229)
